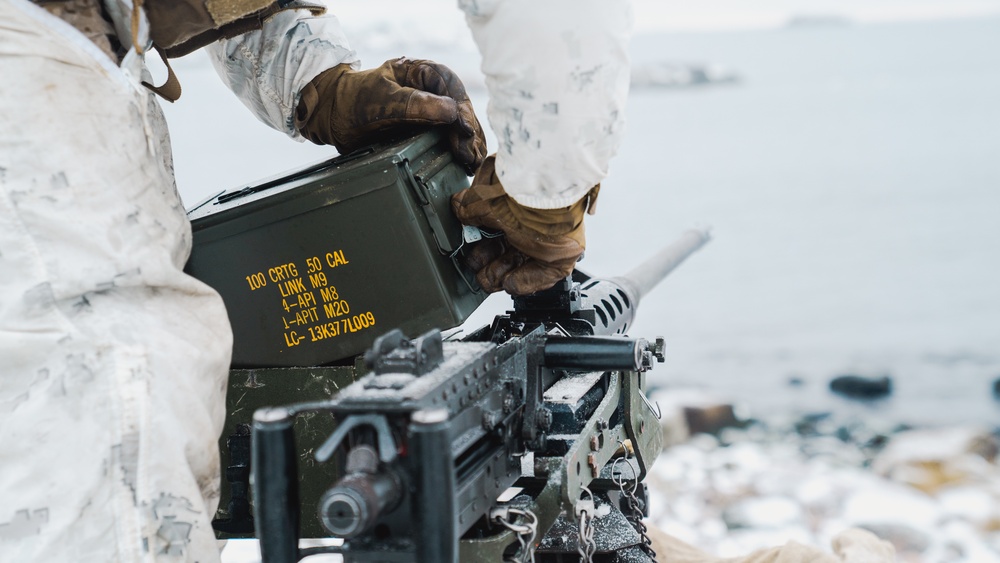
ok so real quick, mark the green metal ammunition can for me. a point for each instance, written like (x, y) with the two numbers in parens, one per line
(313, 265)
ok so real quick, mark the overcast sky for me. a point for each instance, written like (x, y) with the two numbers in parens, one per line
(724, 14)
(654, 15)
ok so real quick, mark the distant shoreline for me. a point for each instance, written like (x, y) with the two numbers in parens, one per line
(793, 21)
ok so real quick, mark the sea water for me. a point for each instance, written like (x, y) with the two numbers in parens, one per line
(851, 177)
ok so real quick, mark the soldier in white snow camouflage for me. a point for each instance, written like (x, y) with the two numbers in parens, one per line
(113, 362)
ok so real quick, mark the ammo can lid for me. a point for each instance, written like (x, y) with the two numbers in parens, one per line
(346, 167)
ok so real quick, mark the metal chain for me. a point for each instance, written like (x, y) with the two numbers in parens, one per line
(524, 532)
(585, 512)
(587, 546)
(634, 504)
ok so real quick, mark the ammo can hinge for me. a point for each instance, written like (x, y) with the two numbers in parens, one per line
(423, 196)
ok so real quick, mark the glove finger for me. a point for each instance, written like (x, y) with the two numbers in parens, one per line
(429, 108)
(438, 79)
(535, 275)
(467, 120)
(474, 205)
(465, 206)
(491, 278)
(477, 255)
(430, 77)
(396, 113)
(471, 136)
(477, 214)
(469, 151)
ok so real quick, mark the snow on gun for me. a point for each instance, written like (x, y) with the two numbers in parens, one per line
(548, 400)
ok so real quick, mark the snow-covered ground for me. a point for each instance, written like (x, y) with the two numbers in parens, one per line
(933, 493)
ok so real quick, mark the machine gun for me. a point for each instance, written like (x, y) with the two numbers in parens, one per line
(526, 440)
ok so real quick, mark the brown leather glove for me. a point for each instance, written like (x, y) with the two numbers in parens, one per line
(540, 246)
(350, 108)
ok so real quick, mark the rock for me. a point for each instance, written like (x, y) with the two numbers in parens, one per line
(996, 389)
(706, 443)
(740, 543)
(934, 458)
(730, 436)
(937, 444)
(891, 504)
(811, 424)
(935, 494)
(832, 449)
(817, 492)
(960, 541)
(969, 503)
(861, 387)
(681, 407)
(763, 512)
(674, 427)
(710, 419)
(668, 74)
(902, 537)
(868, 435)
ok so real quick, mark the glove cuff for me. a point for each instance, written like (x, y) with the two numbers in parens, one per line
(550, 222)
(313, 119)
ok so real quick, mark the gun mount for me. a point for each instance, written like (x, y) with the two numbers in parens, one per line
(527, 438)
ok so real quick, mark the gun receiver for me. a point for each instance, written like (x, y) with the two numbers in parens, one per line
(548, 400)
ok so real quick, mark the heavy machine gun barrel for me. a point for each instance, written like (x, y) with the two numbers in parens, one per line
(608, 306)
(352, 506)
(644, 277)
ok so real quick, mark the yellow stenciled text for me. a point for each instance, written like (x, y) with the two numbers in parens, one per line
(336, 258)
(292, 287)
(329, 294)
(317, 280)
(282, 272)
(302, 305)
(335, 309)
(313, 264)
(293, 339)
(256, 281)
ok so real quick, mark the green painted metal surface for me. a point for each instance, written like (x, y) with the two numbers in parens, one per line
(315, 264)
(251, 389)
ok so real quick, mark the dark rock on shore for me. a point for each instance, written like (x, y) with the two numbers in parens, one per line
(710, 419)
(861, 387)
(811, 424)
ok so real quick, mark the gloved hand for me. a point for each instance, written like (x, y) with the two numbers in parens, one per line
(350, 108)
(540, 246)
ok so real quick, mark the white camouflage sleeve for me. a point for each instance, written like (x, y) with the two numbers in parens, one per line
(268, 68)
(558, 74)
